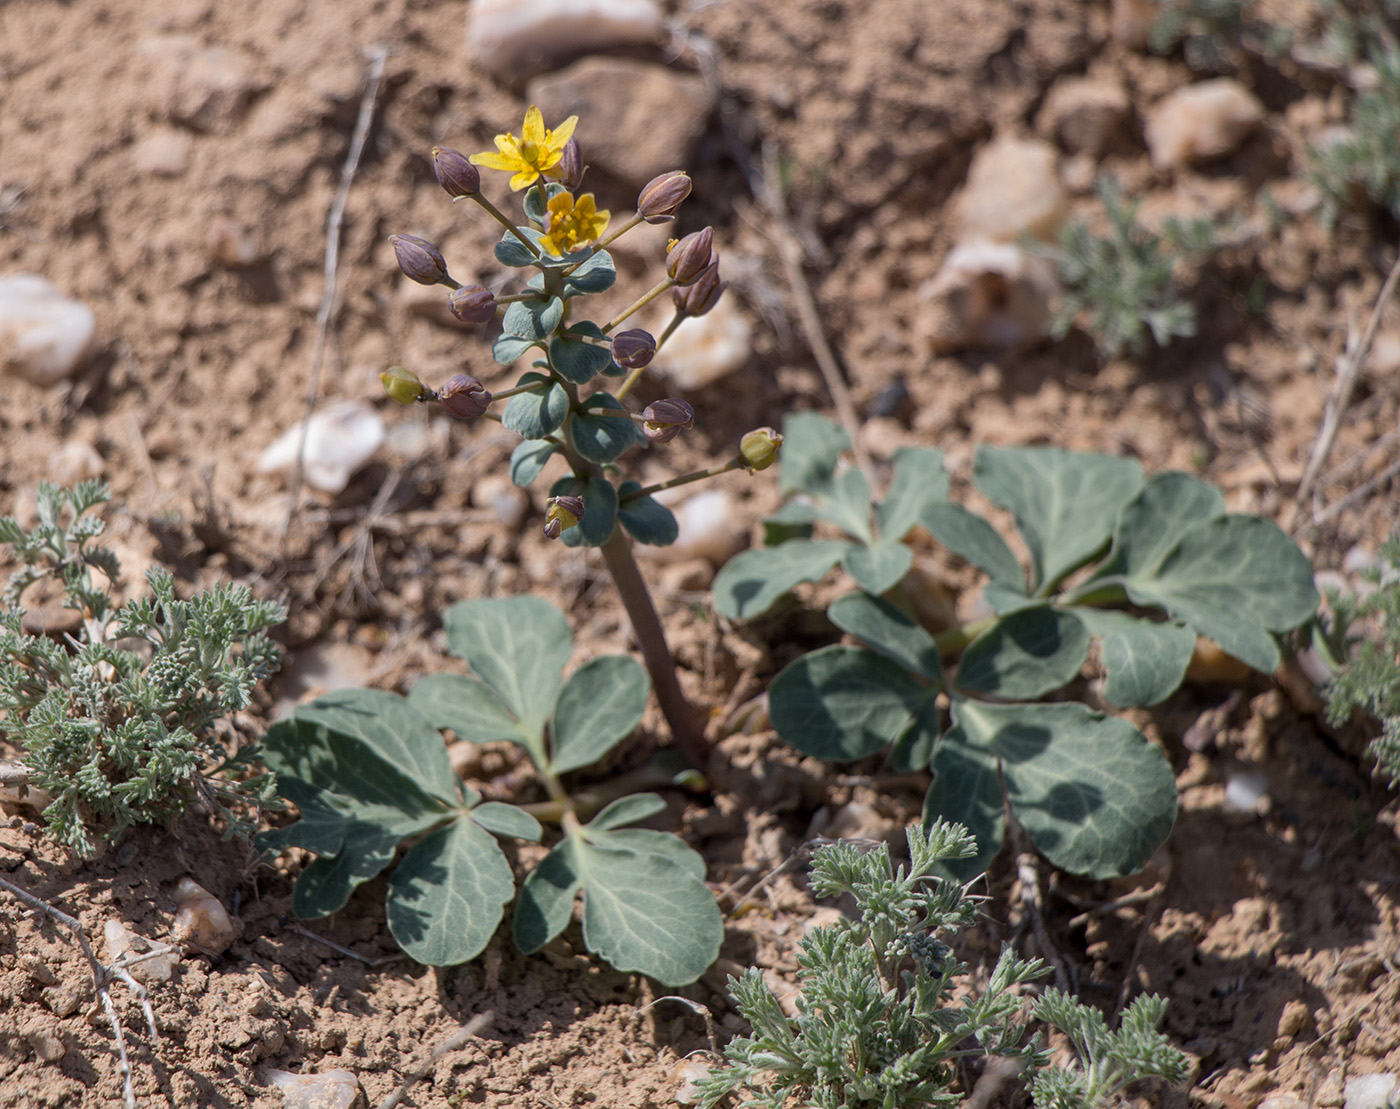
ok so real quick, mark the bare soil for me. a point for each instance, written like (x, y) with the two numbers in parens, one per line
(1273, 932)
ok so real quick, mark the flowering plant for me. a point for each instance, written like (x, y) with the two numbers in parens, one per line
(565, 405)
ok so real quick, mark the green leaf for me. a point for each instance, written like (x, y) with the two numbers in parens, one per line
(913, 750)
(448, 893)
(507, 348)
(752, 580)
(326, 883)
(1144, 661)
(1096, 797)
(645, 518)
(966, 789)
(392, 729)
(919, 481)
(536, 200)
(628, 810)
(518, 646)
(533, 319)
(537, 414)
(888, 631)
(600, 510)
(470, 708)
(600, 705)
(811, 446)
(510, 252)
(1234, 579)
(846, 503)
(528, 460)
(1065, 504)
(1149, 524)
(844, 703)
(502, 819)
(969, 536)
(879, 567)
(601, 437)
(1025, 654)
(646, 907)
(596, 275)
(546, 899)
(578, 361)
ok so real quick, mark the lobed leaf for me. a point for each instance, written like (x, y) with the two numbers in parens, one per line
(534, 319)
(1167, 505)
(646, 519)
(966, 789)
(1065, 504)
(596, 275)
(752, 580)
(1025, 654)
(812, 445)
(888, 631)
(878, 567)
(528, 460)
(600, 436)
(919, 481)
(970, 537)
(470, 708)
(600, 705)
(576, 360)
(1144, 662)
(537, 414)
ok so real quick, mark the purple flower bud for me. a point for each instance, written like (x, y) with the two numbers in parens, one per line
(472, 304)
(633, 349)
(419, 259)
(698, 298)
(759, 448)
(570, 169)
(464, 397)
(454, 173)
(562, 514)
(403, 385)
(661, 196)
(687, 258)
(663, 420)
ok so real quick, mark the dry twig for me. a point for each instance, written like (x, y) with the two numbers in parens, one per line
(102, 975)
(468, 1031)
(330, 297)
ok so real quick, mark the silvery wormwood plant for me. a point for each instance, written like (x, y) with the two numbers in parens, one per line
(1140, 565)
(885, 1012)
(117, 721)
(557, 407)
(369, 773)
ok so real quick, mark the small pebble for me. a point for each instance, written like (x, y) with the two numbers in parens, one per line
(1244, 790)
(121, 941)
(44, 336)
(988, 294)
(1012, 190)
(201, 919)
(75, 461)
(43, 1037)
(339, 440)
(333, 1089)
(512, 39)
(709, 527)
(1371, 1091)
(707, 348)
(1200, 122)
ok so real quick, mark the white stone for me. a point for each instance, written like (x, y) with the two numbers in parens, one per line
(75, 461)
(1371, 1091)
(1012, 190)
(1085, 113)
(507, 502)
(709, 527)
(339, 440)
(988, 295)
(1201, 122)
(335, 1089)
(44, 336)
(201, 919)
(705, 349)
(1245, 789)
(121, 941)
(512, 39)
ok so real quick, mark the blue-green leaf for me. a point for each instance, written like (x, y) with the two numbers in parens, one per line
(600, 510)
(595, 275)
(969, 536)
(889, 631)
(600, 705)
(600, 436)
(528, 460)
(844, 703)
(533, 319)
(846, 503)
(326, 883)
(536, 201)
(1236, 580)
(1065, 504)
(1149, 525)
(577, 360)
(510, 251)
(919, 480)
(502, 819)
(752, 580)
(507, 348)
(880, 566)
(645, 518)
(966, 788)
(811, 446)
(1096, 797)
(448, 893)
(547, 898)
(1144, 661)
(628, 810)
(516, 645)
(536, 414)
(913, 750)
(470, 708)
(1025, 654)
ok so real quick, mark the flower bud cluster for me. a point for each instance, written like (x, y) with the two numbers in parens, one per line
(701, 295)
(562, 514)
(687, 258)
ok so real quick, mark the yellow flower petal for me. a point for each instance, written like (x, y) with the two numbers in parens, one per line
(524, 179)
(560, 136)
(494, 161)
(533, 131)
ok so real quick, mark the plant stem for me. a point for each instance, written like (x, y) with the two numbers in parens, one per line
(636, 374)
(640, 303)
(679, 713)
(506, 223)
(735, 463)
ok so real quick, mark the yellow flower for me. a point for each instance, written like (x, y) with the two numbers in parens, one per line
(536, 152)
(572, 223)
